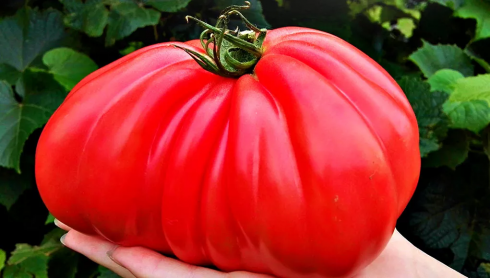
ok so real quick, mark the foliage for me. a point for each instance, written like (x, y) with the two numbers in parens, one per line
(427, 107)
(431, 58)
(437, 50)
(480, 11)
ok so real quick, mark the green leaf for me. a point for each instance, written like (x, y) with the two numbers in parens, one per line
(479, 10)
(374, 14)
(168, 6)
(9, 74)
(472, 88)
(27, 35)
(27, 261)
(32, 261)
(42, 95)
(50, 219)
(454, 151)
(254, 14)
(449, 211)
(473, 115)
(427, 107)
(406, 26)
(428, 145)
(431, 58)
(126, 17)
(89, 17)
(3, 257)
(68, 66)
(484, 270)
(444, 80)
(106, 273)
(453, 4)
(133, 46)
(12, 185)
(468, 105)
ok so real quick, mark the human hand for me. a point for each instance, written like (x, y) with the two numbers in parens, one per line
(131, 262)
(399, 259)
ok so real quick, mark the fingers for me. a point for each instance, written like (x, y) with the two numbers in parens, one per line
(131, 262)
(125, 261)
(145, 263)
(95, 249)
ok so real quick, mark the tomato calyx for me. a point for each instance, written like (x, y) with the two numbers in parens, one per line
(229, 53)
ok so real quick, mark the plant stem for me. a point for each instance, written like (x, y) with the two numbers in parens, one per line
(234, 53)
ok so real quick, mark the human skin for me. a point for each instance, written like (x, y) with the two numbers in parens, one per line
(399, 259)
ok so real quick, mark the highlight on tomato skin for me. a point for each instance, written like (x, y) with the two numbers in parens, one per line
(286, 152)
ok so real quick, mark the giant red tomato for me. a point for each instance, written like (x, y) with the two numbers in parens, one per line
(297, 169)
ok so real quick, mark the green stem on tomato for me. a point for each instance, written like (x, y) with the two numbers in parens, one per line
(234, 53)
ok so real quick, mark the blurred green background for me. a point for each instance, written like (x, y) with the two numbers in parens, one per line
(437, 50)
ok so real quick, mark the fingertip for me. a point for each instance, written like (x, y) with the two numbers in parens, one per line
(62, 239)
(110, 254)
(68, 241)
(96, 249)
(61, 225)
(143, 262)
(57, 223)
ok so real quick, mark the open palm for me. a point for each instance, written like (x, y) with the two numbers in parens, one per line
(399, 259)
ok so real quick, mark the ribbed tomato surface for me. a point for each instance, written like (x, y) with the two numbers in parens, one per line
(299, 169)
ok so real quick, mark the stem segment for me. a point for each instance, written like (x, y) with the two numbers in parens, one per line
(234, 53)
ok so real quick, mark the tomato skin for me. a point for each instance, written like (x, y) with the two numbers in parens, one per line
(300, 169)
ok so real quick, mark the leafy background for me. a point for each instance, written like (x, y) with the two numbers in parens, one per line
(437, 50)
